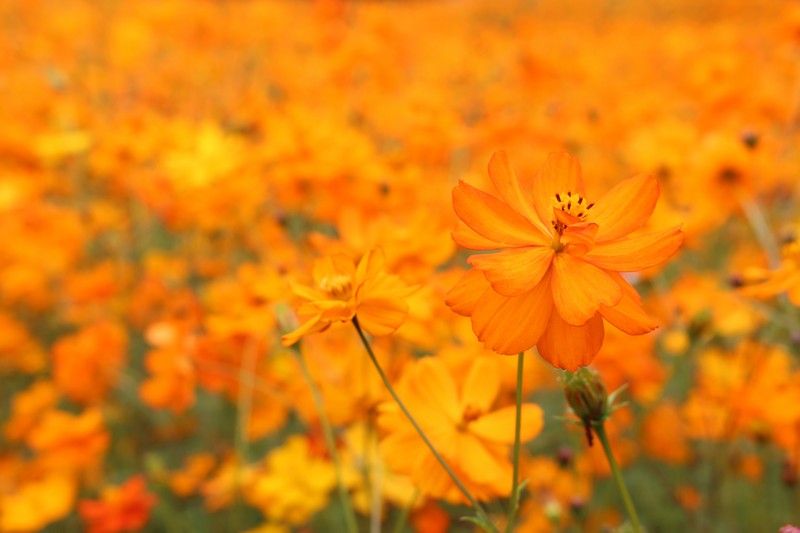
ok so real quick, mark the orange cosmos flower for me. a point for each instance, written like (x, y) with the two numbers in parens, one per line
(121, 508)
(344, 288)
(557, 272)
(465, 424)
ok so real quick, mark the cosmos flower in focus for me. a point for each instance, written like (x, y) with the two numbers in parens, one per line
(343, 289)
(556, 273)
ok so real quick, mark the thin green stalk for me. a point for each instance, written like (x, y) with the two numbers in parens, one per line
(478, 508)
(244, 410)
(600, 431)
(512, 512)
(760, 226)
(376, 482)
(327, 432)
(402, 517)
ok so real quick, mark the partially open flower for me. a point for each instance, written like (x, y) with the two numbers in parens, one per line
(344, 289)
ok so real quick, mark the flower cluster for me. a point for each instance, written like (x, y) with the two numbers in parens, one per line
(208, 209)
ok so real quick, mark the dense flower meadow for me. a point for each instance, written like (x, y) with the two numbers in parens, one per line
(387, 266)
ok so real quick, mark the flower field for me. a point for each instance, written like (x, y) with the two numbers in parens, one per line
(399, 266)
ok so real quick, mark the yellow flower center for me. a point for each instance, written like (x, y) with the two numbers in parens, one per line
(573, 205)
(340, 286)
(470, 414)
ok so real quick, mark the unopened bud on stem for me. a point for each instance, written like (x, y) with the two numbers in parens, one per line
(586, 395)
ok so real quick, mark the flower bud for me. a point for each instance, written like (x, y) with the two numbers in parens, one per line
(586, 395)
(552, 510)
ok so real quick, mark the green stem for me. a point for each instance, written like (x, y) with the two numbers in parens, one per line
(402, 517)
(376, 482)
(600, 430)
(512, 512)
(478, 508)
(244, 408)
(760, 226)
(327, 432)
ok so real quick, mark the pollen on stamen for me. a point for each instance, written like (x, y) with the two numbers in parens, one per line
(573, 205)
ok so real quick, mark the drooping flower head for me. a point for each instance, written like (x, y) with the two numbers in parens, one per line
(556, 273)
(344, 289)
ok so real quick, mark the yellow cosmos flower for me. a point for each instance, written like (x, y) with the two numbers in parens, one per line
(464, 425)
(343, 289)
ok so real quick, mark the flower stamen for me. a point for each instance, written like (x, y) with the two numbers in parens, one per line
(339, 286)
(574, 205)
(470, 414)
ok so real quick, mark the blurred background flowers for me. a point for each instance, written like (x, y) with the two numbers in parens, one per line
(167, 168)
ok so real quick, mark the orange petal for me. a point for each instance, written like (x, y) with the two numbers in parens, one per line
(560, 173)
(499, 425)
(636, 253)
(395, 446)
(466, 237)
(579, 289)
(512, 324)
(494, 219)
(436, 387)
(331, 309)
(382, 316)
(369, 266)
(625, 207)
(513, 191)
(628, 315)
(307, 293)
(515, 270)
(384, 285)
(778, 281)
(580, 237)
(794, 292)
(429, 477)
(570, 347)
(475, 459)
(310, 326)
(332, 265)
(465, 294)
(482, 385)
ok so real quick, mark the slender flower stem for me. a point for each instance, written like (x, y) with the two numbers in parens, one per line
(512, 512)
(600, 430)
(478, 508)
(244, 408)
(327, 432)
(760, 226)
(376, 482)
(402, 517)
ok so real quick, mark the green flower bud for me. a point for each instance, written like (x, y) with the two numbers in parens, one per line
(586, 395)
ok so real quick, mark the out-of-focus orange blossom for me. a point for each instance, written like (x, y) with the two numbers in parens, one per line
(197, 197)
